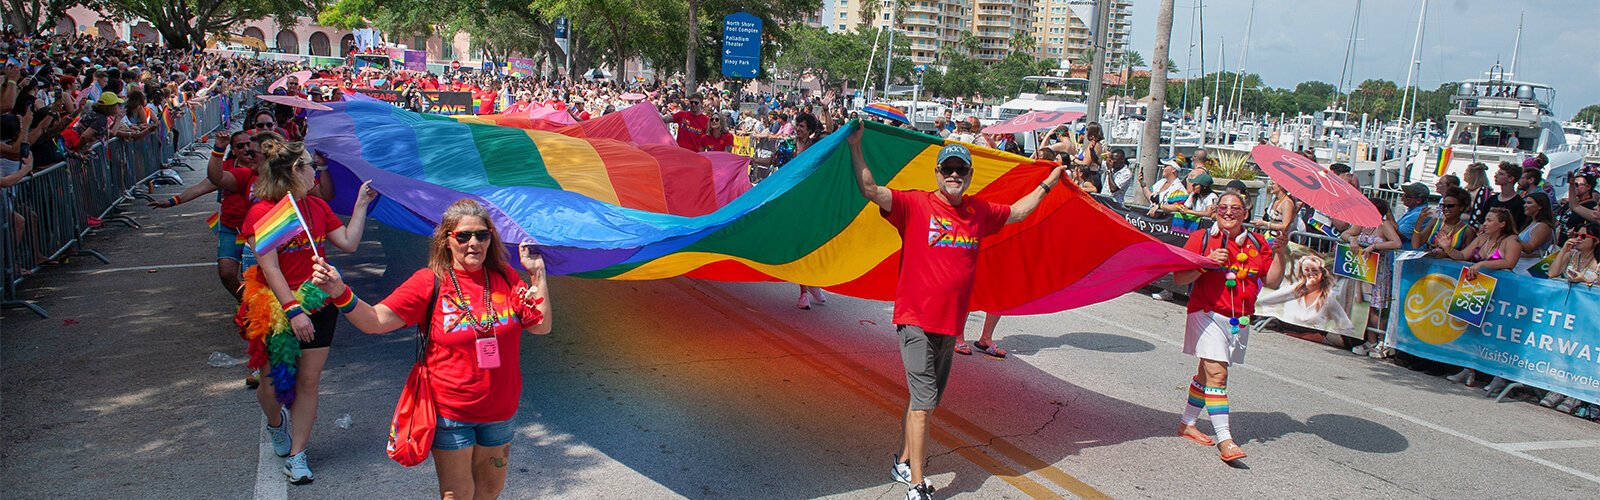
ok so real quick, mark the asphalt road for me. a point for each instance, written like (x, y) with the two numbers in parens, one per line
(697, 389)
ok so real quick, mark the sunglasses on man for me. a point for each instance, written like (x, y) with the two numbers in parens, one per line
(961, 170)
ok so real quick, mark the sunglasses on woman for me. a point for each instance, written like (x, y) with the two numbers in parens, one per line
(463, 237)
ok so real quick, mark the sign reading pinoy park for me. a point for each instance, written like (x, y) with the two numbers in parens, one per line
(1544, 333)
(741, 45)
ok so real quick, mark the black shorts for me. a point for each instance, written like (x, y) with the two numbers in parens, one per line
(324, 321)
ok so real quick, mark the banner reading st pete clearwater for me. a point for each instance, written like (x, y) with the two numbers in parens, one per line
(1541, 332)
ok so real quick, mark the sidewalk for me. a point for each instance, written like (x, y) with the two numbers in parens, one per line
(112, 394)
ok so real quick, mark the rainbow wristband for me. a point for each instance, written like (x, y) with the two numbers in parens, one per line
(292, 311)
(174, 201)
(347, 302)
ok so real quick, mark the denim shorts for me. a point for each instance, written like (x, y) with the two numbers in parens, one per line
(230, 246)
(458, 435)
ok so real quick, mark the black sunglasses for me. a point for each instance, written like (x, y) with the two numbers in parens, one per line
(1449, 205)
(962, 170)
(464, 236)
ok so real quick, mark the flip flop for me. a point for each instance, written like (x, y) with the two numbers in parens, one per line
(1201, 440)
(1232, 453)
(963, 349)
(990, 349)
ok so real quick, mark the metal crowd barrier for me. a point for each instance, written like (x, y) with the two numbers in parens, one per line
(46, 217)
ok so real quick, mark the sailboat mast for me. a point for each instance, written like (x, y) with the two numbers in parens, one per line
(1409, 96)
(1517, 46)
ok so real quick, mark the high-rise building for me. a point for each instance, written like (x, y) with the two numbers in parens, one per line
(929, 25)
(1062, 34)
(999, 25)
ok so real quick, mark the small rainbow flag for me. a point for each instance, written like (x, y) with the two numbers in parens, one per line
(279, 226)
(1444, 162)
(214, 221)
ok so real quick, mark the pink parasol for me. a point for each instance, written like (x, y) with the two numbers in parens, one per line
(1036, 120)
(294, 102)
(1316, 185)
(300, 76)
(632, 96)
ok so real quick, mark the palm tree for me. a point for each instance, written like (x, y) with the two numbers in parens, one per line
(1158, 93)
(1085, 58)
(1132, 59)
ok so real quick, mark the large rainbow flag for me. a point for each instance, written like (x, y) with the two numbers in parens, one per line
(594, 206)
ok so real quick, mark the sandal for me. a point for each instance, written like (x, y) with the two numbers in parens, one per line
(1231, 452)
(990, 349)
(963, 349)
(1202, 440)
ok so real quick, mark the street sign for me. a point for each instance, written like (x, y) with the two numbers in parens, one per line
(741, 45)
(561, 33)
(455, 64)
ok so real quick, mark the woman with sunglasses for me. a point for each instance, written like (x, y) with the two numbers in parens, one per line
(1578, 262)
(1578, 208)
(1220, 307)
(479, 299)
(717, 137)
(1449, 230)
(286, 170)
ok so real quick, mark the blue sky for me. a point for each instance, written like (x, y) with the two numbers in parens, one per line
(1298, 40)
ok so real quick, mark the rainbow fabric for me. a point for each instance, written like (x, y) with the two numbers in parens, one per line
(1443, 161)
(214, 221)
(280, 225)
(596, 208)
(886, 111)
(636, 124)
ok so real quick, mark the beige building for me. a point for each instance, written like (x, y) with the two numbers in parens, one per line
(998, 25)
(929, 25)
(1062, 34)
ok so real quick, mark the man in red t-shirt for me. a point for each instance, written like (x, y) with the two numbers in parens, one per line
(940, 233)
(691, 124)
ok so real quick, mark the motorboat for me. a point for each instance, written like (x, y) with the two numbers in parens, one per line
(1498, 119)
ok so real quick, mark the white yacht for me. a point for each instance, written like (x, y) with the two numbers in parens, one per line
(1499, 119)
(1044, 93)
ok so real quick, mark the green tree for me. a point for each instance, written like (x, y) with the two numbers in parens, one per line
(1589, 114)
(33, 16)
(1132, 60)
(184, 24)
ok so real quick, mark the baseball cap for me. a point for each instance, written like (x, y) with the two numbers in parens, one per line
(1172, 163)
(108, 98)
(1238, 185)
(955, 151)
(1415, 189)
(1203, 180)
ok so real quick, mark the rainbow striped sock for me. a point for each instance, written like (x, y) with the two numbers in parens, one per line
(1217, 407)
(1197, 402)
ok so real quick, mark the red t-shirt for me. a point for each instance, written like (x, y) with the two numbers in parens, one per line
(294, 257)
(236, 204)
(713, 143)
(463, 391)
(690, 127)
(1211, 293)
(937, 268)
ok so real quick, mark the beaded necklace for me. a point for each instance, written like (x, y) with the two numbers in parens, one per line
(1236, 322)
(466, 307)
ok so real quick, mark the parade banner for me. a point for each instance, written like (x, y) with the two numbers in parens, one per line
(517, 66)
(1349, 263)
(1314, 296)
(434, 102)
(1159, 225)
(1540, 332)
(417, 60)
(742, 147)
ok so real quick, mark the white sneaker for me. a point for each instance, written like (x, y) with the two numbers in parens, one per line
(298, 470)
(818, 296)
(1552, 399)
(804, 302)
(1361, 350)
(1495, 385)
(1570, 404)
(1162, 295)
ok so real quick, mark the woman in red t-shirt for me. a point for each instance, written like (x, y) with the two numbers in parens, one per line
(287, 171)
(476, 397)
(1220, 304)
(717, 136)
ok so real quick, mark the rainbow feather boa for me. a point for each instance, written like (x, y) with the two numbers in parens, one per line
(274, 348)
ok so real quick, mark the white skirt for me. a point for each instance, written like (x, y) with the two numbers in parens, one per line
(1208, 336)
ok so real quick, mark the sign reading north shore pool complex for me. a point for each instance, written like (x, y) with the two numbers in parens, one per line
(741, 45)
